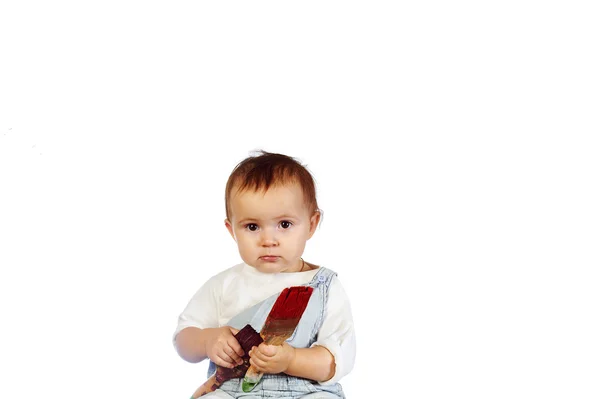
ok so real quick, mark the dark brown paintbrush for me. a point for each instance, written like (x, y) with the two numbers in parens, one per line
(280, 324)
(247, 338)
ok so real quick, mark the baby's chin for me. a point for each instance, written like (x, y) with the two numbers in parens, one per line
(268, 267)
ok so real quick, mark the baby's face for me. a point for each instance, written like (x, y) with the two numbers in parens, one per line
(271, 228)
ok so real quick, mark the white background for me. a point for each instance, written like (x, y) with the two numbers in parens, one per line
(453, 144)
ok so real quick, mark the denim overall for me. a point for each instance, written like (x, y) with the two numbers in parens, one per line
(283, 385)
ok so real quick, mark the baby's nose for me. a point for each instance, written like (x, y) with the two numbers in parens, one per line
(268, 239)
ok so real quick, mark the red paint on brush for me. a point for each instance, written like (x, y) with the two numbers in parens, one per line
(290, 304)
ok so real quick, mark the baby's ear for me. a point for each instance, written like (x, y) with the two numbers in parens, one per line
(230, 228)
(314, 222)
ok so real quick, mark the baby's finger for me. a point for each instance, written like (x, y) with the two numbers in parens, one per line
(256, 354)
(258, 364)
(267, 350)
(234, 330)
(224, 361)
(235, 345)
(235, 358)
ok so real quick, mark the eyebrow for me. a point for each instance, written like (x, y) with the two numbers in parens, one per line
(246, 220)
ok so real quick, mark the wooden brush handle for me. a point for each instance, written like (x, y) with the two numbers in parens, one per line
(210, 385)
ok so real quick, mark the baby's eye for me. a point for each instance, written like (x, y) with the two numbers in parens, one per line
(251, 227)
(286, 224)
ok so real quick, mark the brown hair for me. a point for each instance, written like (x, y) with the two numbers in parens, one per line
(260, 172)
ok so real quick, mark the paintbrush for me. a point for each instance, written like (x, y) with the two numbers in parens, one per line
(247, 338)
(280, 325)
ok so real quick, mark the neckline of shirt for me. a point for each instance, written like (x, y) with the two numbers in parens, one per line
(251, 270)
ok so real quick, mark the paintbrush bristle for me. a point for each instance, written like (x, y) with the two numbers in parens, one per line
(291, 303)
(285, 314)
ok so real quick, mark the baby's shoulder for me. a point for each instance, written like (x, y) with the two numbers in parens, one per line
(223, 278)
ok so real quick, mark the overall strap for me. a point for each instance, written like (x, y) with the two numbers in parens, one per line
(323, 276)
(321, 281)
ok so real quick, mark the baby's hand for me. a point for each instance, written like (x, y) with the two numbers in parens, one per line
(222, 347)
(272, 359)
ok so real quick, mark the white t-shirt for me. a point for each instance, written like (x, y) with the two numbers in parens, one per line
(235, 289)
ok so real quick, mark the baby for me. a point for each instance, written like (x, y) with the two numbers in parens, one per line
(271, 212)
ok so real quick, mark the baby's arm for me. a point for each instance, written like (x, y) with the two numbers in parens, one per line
(337, 333)
(186, 344)
(315, 363)
(198, 336)
(218, 344)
